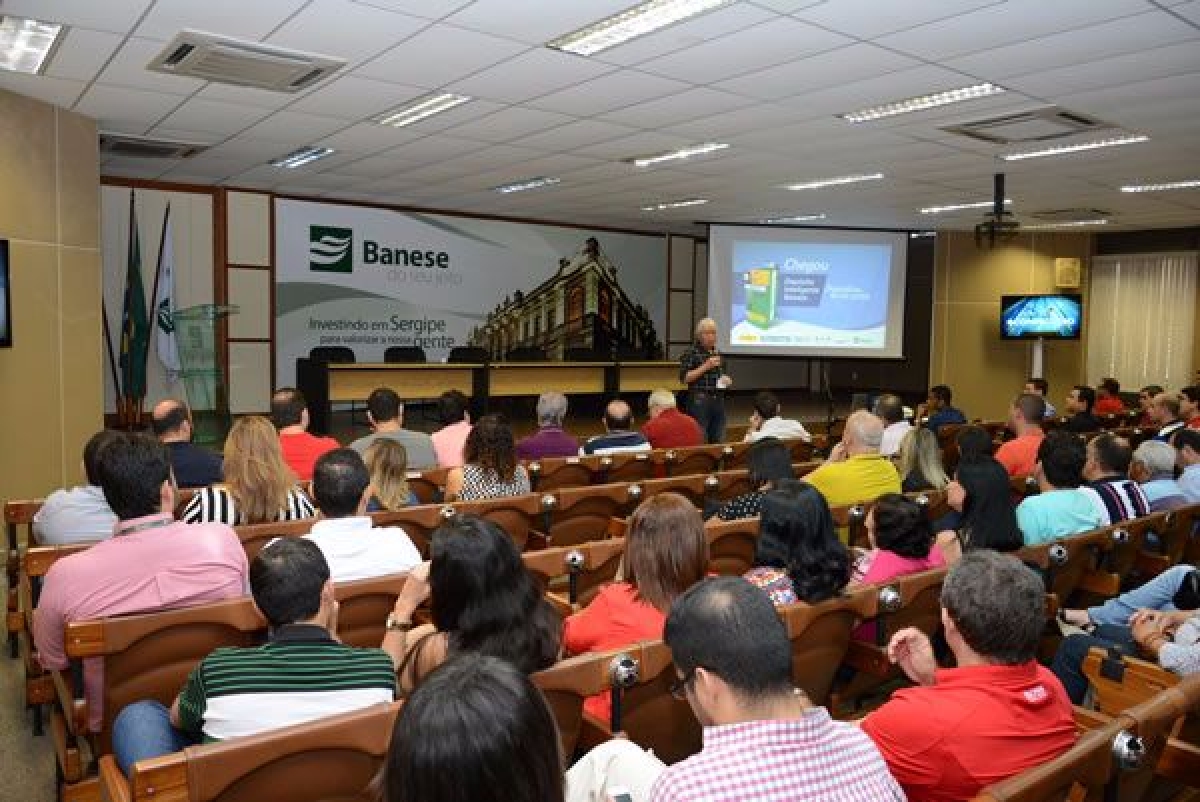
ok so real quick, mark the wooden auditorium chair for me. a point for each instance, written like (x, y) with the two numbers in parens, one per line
(627, 467)
(417, 522)
(519, 516)
(1023, 487)
(255, 536)
(567, 685)
(18, 514)
(731, 546)
(573, 575)
(696, 488)
(693, 460)
(429, 486)
(582, 514)
(820, 635)
(553, 473)
(1081, 774)
(1180, 541)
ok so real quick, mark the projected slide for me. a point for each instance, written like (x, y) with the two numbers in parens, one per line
(1031, 316)
(809, 292)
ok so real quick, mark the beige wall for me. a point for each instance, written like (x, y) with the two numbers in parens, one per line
(250, 284)
(51, 380)
(968, 354)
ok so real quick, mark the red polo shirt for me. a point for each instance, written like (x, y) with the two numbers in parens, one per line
(302, 450)
(673, 429)
(974, 726)
(1108, 406)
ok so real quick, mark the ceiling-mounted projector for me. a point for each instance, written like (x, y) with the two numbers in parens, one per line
(998, 225)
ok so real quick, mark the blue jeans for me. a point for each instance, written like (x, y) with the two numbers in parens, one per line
(709, 412)
(1154, 595)
(1068, 660)
(143, 730)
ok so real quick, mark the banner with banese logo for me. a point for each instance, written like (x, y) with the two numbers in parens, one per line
(369, 278)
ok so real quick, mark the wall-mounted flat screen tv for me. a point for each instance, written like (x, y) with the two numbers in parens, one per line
(1032, 317)
(5, 303)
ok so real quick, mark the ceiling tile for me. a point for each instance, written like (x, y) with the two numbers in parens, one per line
(634, 145)
(691, 33)
(868, 19)
(288, 127)
(346, 30)
(111, 15)
(229, 17)
(214, 117)
(577, 135)
(533, 73)
(438, 55)
(369, 137)
(845, 65)
(1156, 62)
(128, 110)
(509, 124)
(57, 91)
(534, 23)
(429, 9)
(689, 105)
(246, 96)
(613, 91)
(352, 97)
(82, 53)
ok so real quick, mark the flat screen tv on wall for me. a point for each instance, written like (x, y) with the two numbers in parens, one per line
(5, 302)
(1032, 317)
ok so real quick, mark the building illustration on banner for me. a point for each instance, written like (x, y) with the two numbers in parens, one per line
(580, 312)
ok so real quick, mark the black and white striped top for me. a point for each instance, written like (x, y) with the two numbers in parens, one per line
(215, 505)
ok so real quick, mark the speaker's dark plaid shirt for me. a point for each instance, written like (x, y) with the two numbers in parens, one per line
(693, 358)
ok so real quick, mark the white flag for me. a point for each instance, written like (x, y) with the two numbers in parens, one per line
(164, 304)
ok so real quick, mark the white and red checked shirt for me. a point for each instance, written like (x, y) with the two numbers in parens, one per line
(809, 758)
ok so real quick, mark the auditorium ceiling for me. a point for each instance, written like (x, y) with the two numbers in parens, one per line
(767, 77)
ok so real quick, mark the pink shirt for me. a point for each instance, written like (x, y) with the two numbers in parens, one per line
(150, 564)
(887, 565)
(448, 443)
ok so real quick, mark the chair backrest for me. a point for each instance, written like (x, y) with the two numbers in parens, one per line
(916, 603)
(410, 354)
(581, 514)
(732, 483)
(693, 460)
(334, 758)
(649, 714)
(526, 353)
(468, 354)
(820, 634)
(735, 455)
(585, 568)
(1153, 722)
(1079, 774)
(417, 522)
(1023, 486)
(802, 451)
(731, 546)
(628, 467)
(1064, 563)
(567, 685)
(363, 607)
(255, 536)
(553, 473)
(332, 353)
(428, 486)
(516, 515)
(1179, 545)
(696, 488)
(1122, 682)
(1129, 538)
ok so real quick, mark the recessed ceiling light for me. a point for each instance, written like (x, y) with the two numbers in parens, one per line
(799, 218)
(682, 153)
(675, 204)
(923, 102)
(1059, 150)
(955, 207)
(1193, 183)
(1071, 224)
(301, 157)
(833, 182)
(529, 183)
(26, 44)
(421, 109)
(638, 21)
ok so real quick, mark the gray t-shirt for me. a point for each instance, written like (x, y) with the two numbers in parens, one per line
(421, 455)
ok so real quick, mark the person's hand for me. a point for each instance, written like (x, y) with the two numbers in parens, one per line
(713, 361)
(414, 592)
(920, 413)
(911, 650)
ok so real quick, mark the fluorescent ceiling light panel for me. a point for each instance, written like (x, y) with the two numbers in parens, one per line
(675, 204)
(833, 182)
(640, 20)
(800, 218)
(1072, 224)
(301, 157)
(923, 102)
(529, 183)
(422, 109)
(1060, 150)
(955, 207)
(26, 44)
(682, 153)
(1193, 183)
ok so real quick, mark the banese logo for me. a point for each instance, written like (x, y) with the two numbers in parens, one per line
(330, 249)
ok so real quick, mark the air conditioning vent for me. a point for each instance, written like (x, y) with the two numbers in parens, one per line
(1040, 125)
(224, 60)
(1071, 215)
(139, 147)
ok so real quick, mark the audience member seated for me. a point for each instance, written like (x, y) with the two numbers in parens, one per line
(193, 466)
(1153, 467)
(855, 470)
(491, 469)
(1146, 398)
(1165, 412)
(80, 514)
(1107, 472)
(920, 462)
(385, 414)
(259, 486)
(1189, 406)
(1177, 588)
(1025, 417)
(1041, 388)
(889, 408)
(1108, 398)
(387, 463)
(798, 556)
(995, 715)
(902, 543)
(766, 421)
(448, 441)
(1080, 418)
(974, 442)
(619, 436)
(666, 553)
(981, 497)
(352, 545)
(1188, 444)
(939, 409)
(1062, 508)
(289, 413)
(550, 440)
(483, 602)
(302, 673)
(667, 426)
(152, 562)
(763, 739)
(768, 462)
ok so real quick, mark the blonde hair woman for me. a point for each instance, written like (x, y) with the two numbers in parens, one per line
(259, 487)
(387, 462)
(919, 461)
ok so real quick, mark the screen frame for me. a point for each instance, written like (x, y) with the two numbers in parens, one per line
(1007, 299)
(6, 278)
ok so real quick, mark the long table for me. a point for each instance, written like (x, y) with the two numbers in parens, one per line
(328, 383)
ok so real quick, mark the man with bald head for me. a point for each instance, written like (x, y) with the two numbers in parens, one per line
(855, 470)
(192, 465)
(619, 435)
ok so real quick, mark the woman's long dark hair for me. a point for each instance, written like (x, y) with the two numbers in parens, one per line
(989, 519)
(475, 729)
(796, 534)
(491, 446)
(485, 600)
(768, 460)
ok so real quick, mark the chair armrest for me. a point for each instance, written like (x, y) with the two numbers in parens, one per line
(1087, 719)
(1102, 583)
(536, 541)
(114, 787)
(868, 658)
(75, 711)
(1180, 761)
(561, 605)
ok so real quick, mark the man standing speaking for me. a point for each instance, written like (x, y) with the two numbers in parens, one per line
(700, 370)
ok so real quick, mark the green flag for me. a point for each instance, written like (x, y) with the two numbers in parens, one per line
(135, 325)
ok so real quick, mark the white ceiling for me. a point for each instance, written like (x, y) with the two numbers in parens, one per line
(766, 76)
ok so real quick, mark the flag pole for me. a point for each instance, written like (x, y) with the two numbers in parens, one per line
(162, 241)
(112, 359)
(124, 404)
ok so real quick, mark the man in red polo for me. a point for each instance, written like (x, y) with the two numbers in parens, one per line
(1019, 456)
(995, 715)
(668, 427)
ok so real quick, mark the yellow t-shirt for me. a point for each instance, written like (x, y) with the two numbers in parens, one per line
(863, 477)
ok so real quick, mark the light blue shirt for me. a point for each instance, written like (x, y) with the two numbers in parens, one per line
(1059, 513)
(1161, 488)
(1189, 483)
